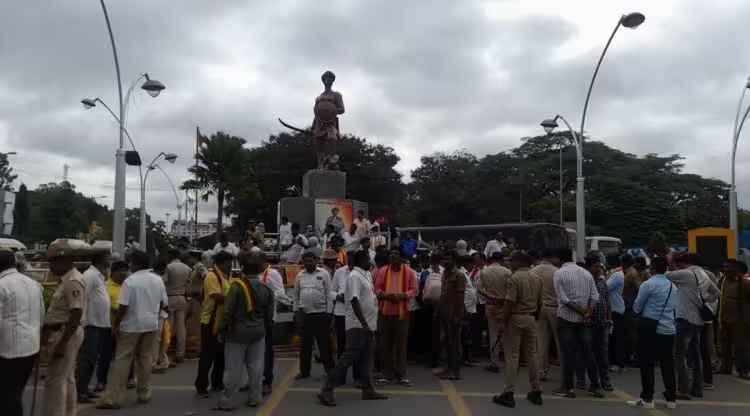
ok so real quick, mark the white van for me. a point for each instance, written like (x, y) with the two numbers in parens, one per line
(609, 246)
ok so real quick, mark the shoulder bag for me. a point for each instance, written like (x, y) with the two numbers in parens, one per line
(705, 312)
(649, 324)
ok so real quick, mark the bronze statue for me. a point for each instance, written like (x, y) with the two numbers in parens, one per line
(325, 127)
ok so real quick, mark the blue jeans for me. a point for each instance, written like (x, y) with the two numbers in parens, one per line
(575, 339)
(687, 345)
(93, 337)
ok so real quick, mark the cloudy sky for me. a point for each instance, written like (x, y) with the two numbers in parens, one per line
(420, 76)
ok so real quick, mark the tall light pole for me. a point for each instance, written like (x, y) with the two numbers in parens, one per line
(118, 232)
(169, 157)
(732, 189)
(631, 21)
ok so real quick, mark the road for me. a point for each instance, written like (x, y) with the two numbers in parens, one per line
(173, 395)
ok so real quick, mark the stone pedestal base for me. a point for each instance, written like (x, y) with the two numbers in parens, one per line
(324, 184)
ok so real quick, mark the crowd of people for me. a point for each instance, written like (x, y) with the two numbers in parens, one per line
(387, 305)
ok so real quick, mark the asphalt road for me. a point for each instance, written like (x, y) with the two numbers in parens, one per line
(174, 395)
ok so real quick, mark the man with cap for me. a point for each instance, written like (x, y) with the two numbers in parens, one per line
(62, 332)
(493, 280)
(312, 304)
(522, 298)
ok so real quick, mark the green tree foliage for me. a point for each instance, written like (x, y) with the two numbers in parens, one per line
(224, 169)
(626, 196)
(6, 173)
(282, 160)
(21, 213)
(58, 211)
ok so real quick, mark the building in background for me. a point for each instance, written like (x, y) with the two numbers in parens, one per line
(186, 229)
(7, 203)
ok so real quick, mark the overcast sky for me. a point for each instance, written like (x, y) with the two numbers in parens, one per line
(420, 76)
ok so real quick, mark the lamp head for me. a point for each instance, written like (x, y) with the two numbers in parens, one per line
(549, 125)
(152, 87)
(747, 84)
(170, 157)
(88, 103)
(632, 20)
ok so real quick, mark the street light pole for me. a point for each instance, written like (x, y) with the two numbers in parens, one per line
(118, 229)
(170, 157)
(733, 224)
(631, 21)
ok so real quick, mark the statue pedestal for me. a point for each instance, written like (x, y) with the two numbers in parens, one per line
(324, 184)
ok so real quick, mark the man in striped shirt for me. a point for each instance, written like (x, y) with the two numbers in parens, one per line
(576, 296)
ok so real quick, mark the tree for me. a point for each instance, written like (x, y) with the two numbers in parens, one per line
(6, 173)
(626, 196)
(282, 160)
(21, 213)
(223, 170)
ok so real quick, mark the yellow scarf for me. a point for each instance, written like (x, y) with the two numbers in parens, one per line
(247, 292)
(397, 285)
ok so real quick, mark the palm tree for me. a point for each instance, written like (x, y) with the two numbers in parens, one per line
(223, 166)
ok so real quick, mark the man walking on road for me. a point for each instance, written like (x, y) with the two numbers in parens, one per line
(176, 280)
(62, 332)
(97, 322)
(361, 320)
(394, 287)
(271, 278)
(136, 328)
(21, 315)
(522, 300)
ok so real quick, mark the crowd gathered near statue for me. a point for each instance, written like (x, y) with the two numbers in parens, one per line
(391, 305)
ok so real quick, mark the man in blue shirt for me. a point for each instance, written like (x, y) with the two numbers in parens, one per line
(408, 246)
(657, 299)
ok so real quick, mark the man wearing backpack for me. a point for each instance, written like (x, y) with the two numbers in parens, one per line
(492, 282)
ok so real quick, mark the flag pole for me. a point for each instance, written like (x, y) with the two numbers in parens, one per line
(195, 213)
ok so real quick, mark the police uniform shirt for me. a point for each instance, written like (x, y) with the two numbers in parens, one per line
(69, 295)
(524, 290)
(312, 291)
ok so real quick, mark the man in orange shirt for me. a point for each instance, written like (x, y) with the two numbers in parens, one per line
(394, 287)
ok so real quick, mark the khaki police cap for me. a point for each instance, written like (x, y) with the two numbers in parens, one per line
(67, 247)
(329, 254)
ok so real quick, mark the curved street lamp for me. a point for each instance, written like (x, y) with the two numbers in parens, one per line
(153, 88)
(169, 157)
(630, 21)
(738, 123)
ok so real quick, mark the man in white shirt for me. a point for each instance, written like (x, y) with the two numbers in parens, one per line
(351, 241)
(285, 229)
(136, 326)
(361, 320)
(338, 286)
(225, 245)
(271, 278)
(495, 245)
(96, 321)
(362, 225)
(21, 315)
(312, 304)
(293, 246)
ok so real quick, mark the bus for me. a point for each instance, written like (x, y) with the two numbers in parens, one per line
(530, 236)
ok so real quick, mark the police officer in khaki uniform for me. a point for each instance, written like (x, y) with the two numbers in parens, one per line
(62, 333)
(522, 300)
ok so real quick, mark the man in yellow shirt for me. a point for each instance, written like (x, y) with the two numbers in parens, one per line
(119, 271)
(215, 288)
